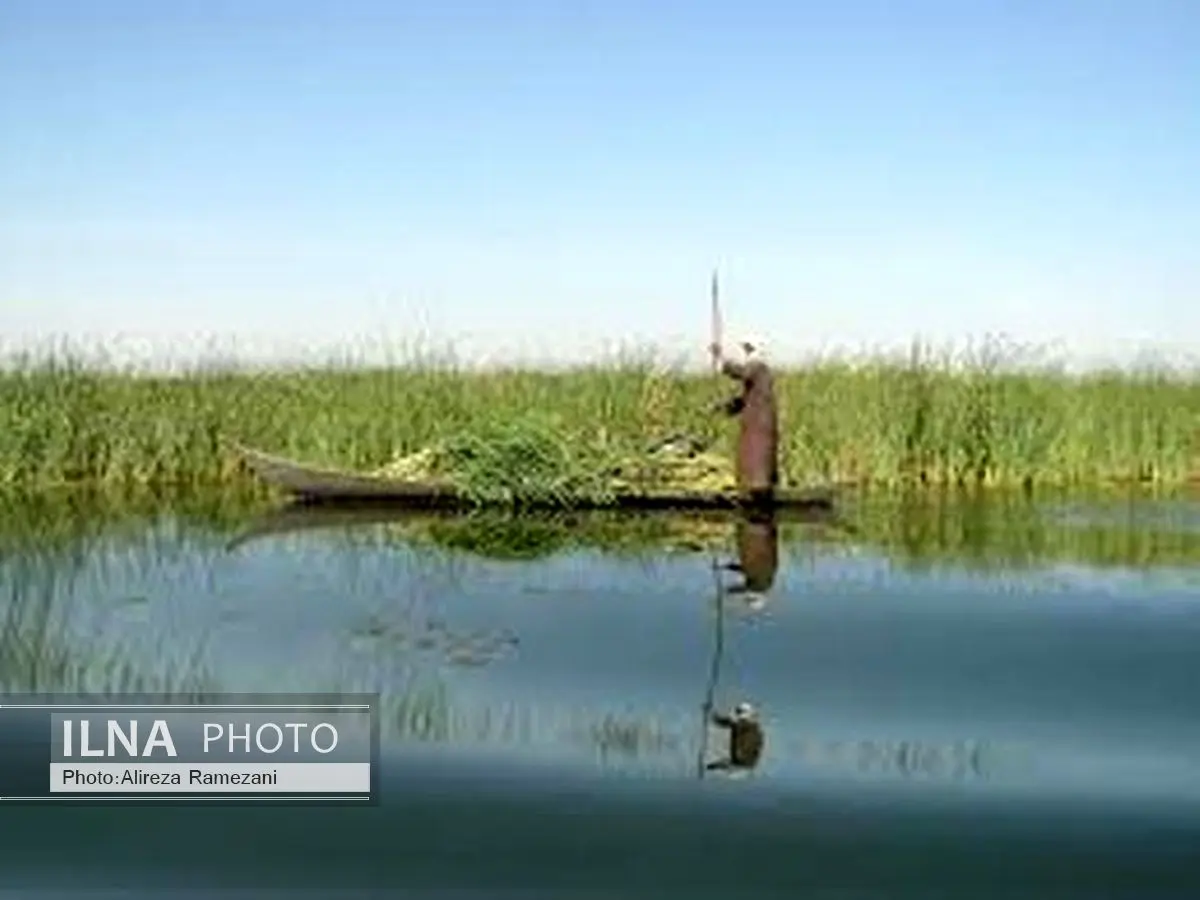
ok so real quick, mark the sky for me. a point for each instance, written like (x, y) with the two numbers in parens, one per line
(547, 181)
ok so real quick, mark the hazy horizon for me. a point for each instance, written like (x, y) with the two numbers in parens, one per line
(537, 182)
(238, 355)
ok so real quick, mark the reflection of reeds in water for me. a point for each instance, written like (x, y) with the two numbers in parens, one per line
(957, 761)
(38, 654)
(997, 530)
(990, 532)
(1011, 532)
(421, 711)
(614, 736)
(414, 633)
(70, 547)
(426, 714)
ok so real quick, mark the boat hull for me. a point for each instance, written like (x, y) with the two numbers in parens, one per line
(309, 484)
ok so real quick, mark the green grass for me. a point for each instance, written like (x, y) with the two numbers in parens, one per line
(924, 420)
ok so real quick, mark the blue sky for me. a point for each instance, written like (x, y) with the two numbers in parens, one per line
(546, 179)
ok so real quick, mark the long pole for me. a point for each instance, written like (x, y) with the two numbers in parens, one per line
(717, 328)
(714, 671)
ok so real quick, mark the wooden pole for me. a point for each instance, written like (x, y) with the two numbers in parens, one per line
(717, 334)
(717, 325)
(714, 671)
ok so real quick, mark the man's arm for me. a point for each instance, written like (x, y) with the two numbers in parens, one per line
(731, 407)
(734, 370)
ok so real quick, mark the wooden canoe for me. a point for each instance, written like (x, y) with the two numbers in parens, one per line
(311, 484)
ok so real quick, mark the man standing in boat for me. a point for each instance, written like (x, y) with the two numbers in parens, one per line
(758, 438)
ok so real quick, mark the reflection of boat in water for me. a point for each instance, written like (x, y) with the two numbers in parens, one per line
(754, 557)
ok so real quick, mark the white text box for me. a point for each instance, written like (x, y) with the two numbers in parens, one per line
(210, 778)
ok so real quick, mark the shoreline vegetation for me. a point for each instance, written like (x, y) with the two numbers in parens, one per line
(926, 421)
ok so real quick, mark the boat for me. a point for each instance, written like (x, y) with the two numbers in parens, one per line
(310, 484)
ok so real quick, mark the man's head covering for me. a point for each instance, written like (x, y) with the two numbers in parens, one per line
(744, 712)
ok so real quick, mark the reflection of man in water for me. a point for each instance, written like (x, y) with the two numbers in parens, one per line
(745, 740)
(758, 557)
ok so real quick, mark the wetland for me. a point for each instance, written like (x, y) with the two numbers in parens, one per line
(976, 675)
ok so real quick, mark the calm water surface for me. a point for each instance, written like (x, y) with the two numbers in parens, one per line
(961, 697)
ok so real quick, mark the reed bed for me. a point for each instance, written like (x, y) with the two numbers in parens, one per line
(933, 420)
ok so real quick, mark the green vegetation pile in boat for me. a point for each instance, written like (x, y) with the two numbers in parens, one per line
(529, 462)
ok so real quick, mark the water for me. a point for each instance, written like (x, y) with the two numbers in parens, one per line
(965, 698)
